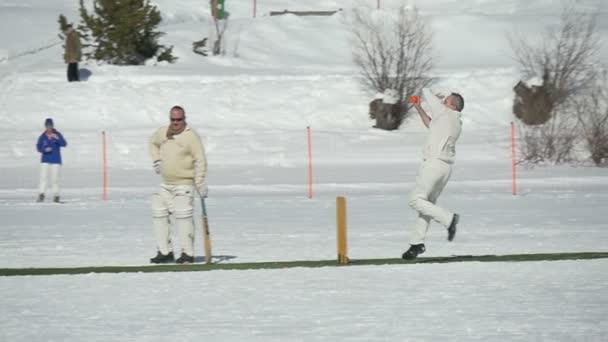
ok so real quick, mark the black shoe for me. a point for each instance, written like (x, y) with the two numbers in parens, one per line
(40, 198)
(56, 199)
(185, 259)
(414, 251)
(452, 227)
(160, 258)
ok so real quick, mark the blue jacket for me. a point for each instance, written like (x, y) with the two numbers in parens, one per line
(53, 156)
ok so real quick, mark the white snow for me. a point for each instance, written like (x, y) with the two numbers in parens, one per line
(390, 96)
(534, 82)
(282, 74)
(542, 301)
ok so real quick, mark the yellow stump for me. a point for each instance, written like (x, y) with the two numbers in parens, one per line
(341, 221)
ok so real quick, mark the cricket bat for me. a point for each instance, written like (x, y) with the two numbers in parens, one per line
(206, 234)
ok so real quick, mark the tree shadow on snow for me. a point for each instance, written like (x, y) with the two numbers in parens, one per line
(84, 74)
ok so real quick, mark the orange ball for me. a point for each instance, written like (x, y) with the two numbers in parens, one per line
(414, 99)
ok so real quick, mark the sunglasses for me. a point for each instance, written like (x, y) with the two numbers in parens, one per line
(177, 119)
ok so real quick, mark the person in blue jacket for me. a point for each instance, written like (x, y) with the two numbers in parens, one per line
(49, 145)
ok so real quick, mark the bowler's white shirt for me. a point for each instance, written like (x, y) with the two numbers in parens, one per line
(444, 130)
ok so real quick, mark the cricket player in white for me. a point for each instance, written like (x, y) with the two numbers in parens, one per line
(179, 158)
(438, 156)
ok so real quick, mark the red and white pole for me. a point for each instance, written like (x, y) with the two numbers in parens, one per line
(104, 191)
(513, 158)
(255, 7)
(309, 162)
(378, 4)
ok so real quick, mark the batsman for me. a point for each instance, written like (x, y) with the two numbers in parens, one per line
(179, 158)
(438, 156)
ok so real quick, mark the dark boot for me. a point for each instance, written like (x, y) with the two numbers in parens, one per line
(162, 259)
(56, 199)
(414, 251)
(73, 73)
(185, 259)
(40, 198)
(452, 227)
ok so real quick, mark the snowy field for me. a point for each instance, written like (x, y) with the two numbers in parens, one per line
(252, 108)
(542, 301)
(260, 211)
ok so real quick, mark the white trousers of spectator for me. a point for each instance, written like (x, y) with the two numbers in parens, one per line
(52, 170)
(176, 200)
(432, 177)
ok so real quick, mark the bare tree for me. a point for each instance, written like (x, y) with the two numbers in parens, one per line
(566, 60)
(592, 112)
(553, 142)
(393, 54)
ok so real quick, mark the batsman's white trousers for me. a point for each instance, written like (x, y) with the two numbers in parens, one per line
(176, 200)
(432, 177)
(53, 170)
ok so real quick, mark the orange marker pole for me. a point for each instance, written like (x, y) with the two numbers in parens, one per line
(104, 192)
(513, 158)
(309, 162)
(215, 9)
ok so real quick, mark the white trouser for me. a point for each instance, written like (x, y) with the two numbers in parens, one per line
(53, 169)
(432, 177)
(176, 200)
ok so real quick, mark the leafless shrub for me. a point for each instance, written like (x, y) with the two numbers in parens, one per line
(592, 112)
(553, 142)
(392, 54)
(566, 60)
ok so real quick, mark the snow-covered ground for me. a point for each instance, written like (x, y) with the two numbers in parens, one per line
(252, 108)
(259, 210)
(542, 301)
